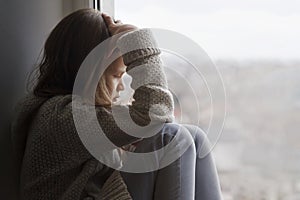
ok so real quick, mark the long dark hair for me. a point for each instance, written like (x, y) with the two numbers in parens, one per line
(65, 49)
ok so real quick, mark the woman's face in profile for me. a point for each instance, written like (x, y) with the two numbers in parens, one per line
(114, 79)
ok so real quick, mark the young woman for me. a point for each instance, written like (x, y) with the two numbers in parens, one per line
(54, 163)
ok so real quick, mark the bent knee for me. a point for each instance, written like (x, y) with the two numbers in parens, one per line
(202, 143)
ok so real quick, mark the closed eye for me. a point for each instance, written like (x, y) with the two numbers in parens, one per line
(118, 75)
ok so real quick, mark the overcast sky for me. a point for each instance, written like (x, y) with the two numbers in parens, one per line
(239, 29)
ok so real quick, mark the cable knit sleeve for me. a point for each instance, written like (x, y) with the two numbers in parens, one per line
(148, 77)
(152, 97)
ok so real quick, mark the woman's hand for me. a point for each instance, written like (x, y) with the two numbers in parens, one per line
(117, 26)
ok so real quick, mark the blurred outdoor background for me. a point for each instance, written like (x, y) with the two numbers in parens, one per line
(255, 45)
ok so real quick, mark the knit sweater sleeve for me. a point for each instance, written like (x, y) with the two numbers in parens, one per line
(152, 99)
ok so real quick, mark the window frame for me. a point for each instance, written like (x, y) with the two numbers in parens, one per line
(107, 6)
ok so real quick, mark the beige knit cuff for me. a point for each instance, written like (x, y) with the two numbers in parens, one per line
(140, 43)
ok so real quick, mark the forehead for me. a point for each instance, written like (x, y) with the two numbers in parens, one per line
(117, 65)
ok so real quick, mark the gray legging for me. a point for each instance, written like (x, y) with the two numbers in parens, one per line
(189, 177)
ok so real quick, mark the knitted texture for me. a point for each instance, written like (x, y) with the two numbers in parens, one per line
(54, 162)
(115, 188)
(145, 66)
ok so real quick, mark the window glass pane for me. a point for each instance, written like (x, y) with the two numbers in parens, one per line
(255, 45)
(226, 29)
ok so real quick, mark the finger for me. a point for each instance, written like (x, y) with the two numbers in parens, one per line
(107, 19)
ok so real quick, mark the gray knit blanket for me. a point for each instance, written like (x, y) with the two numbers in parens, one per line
(54, 163)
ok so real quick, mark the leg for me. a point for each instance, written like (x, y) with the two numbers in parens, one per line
(189, 177)
(177, 180)
(207, 181)
(159, 184)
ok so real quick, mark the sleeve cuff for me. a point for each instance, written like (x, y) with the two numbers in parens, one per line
(137, 39)
(137, 44)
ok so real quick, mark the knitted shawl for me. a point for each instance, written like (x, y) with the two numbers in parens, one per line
(54, 163)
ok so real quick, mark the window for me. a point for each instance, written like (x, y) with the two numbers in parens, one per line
(255, 45)
(107, 6)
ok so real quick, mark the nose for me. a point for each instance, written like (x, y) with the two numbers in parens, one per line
(120, 86)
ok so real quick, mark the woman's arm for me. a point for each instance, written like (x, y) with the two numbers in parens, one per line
(145, 66)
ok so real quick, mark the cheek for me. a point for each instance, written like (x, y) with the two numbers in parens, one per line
(111, 84)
